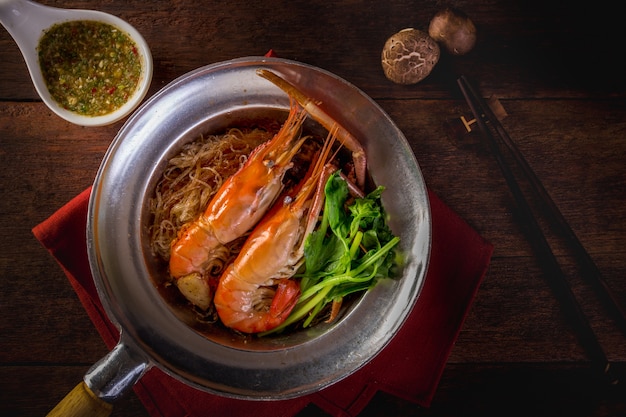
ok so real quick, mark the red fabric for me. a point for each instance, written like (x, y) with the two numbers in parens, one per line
(409, 367)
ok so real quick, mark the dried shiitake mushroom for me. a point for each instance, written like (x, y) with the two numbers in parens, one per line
(409, 56)
(454, 30)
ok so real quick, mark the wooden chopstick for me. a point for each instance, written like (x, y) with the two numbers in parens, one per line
(492, 131)
(590, 270)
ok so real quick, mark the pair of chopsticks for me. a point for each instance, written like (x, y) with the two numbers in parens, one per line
(500, 144)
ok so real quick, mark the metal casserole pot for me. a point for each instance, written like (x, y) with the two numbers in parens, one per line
(155, 334)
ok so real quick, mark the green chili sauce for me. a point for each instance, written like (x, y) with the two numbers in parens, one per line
(90, 68)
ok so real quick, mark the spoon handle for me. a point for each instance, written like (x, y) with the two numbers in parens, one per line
(20, 16)
(26, 20)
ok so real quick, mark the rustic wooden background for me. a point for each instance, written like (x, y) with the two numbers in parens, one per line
(557, 68)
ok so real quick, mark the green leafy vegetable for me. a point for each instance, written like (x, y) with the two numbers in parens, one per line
(350, 250)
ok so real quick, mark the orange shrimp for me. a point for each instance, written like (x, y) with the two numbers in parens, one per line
(237, 206)
(246, 299)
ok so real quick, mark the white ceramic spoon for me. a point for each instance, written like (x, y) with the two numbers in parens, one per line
(26, 22)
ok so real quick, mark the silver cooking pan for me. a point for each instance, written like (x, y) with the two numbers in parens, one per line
(153, 333)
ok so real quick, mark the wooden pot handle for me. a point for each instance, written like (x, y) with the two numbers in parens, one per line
(81, 402)
(111, 377)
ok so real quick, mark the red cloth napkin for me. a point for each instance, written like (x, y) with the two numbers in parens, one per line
(409, 367)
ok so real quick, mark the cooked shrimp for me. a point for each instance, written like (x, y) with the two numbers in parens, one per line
(255, 293)
(237, 206)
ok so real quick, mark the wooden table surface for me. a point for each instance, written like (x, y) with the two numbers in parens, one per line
(557, 69)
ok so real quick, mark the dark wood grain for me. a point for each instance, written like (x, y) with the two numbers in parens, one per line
(556, 69)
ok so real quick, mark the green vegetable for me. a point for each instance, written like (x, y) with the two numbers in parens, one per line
(350, 250)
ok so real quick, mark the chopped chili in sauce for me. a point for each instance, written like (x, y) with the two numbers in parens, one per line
(90, 68)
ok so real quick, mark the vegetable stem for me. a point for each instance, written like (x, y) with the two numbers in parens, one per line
(356, 243)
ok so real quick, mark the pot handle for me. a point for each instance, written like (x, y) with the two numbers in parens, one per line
(105, 382)
(81, 401)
